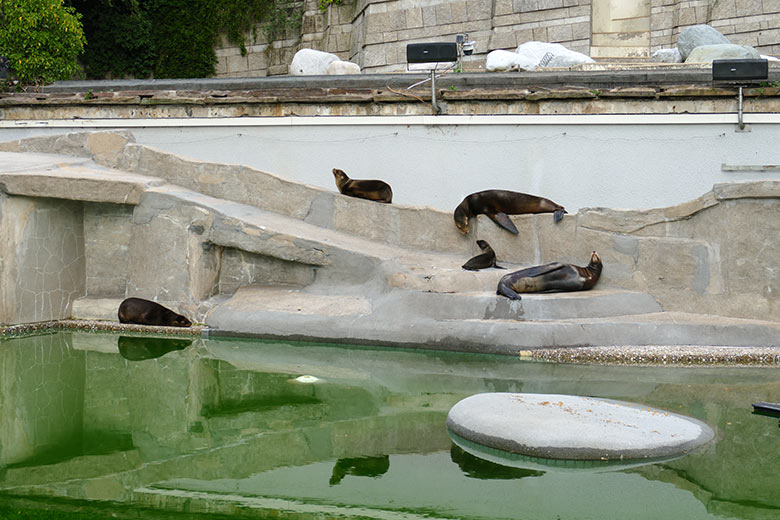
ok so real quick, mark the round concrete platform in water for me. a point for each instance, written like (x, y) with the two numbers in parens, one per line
(568, 427)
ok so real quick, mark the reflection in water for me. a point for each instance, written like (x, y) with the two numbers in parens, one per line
(139, 348)
(475, 467)
(78, 421)
(360, 467)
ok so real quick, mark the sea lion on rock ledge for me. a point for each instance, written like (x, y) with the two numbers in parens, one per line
(551, 277)
(484, 260)
(375, 190)
(145, 312)
(498, 204)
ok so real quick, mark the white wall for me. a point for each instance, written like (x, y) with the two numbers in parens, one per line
(578, 161)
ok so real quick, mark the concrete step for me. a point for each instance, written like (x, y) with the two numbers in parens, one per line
(406, 318)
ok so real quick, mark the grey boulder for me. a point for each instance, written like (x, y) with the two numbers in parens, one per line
(696, 36)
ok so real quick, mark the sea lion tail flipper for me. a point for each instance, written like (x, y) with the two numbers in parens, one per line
(503, 220)
(558, 215)
(504, 290)
(499, 266)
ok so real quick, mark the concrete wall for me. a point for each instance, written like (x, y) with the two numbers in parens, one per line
(374, 33)
(42, 264)
(637, 162)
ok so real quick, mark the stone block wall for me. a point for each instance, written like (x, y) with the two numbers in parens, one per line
(374, 33)
(743, 22)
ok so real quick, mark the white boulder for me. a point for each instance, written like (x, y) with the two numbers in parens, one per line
(310, 62)
(343, 67)
(501, 61)
(532, 53)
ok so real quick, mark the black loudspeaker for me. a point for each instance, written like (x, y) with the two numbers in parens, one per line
(431, 52)
(739, 70)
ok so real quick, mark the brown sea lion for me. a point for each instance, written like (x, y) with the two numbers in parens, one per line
(498, 204)
(551, 277)
(484, 260)
(378, 191)
(145, 312)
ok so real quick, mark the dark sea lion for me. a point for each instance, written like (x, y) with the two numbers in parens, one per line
(378, 191)
(499, 204)
(145, 312)
(484, 260)
(551, 277)
(136, 348)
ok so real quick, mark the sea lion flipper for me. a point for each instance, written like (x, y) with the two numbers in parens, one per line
(558, 215)
(503, 220)
(499, 266)
(539, 270)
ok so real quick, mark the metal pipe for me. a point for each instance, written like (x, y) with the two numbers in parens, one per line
(436, 108)
(740, 118)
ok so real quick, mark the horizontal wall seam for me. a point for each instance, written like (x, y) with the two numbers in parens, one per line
(512, 120)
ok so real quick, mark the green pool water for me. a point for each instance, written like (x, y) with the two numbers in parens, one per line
(133, 427)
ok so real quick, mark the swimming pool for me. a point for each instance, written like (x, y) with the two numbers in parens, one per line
(293, 430)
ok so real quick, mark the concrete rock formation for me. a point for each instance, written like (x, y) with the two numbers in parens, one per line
(697, 35)
(249, 252)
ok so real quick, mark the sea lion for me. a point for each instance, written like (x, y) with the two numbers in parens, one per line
(375, 190)
(136, 348)
(145, 312)
(484, 260)
(498, 204)
(551, 277)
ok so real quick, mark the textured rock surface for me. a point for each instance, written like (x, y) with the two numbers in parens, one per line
(554, 426)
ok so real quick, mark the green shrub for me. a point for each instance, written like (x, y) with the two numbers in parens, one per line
(41, 38)
(120, 38)
(174, 38)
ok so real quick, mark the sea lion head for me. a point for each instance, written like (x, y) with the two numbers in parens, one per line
(341, 177)
(461, 217)
(595, 258)
(181, 321)
(482, 244)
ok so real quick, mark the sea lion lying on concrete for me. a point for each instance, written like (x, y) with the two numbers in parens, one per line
(551, 277)
(499, 204)
(145, 312)
(375, 190)
(484, 260)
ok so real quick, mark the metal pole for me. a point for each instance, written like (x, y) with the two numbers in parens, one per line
(741, 121)
(436, 108)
